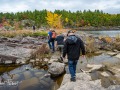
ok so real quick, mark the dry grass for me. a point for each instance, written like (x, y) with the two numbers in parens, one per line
(90, 45)
(117, 38)
(106, 39)
(58, 31)
(116, 43)
(22, 33)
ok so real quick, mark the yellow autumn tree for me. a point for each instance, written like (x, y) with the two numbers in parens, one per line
(54, 20)
(66, 20)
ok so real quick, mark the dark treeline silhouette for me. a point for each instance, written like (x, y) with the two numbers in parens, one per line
(74, 19)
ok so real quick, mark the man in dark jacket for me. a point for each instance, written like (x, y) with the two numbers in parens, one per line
(72, 47)
(60, 42)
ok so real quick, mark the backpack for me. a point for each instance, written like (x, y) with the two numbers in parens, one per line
(53, 35)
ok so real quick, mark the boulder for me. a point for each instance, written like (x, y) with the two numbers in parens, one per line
(56, 69)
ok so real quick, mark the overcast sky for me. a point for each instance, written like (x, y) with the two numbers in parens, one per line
(108, 6)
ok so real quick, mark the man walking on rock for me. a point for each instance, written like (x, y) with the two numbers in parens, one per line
(72, 47)
(51, 39)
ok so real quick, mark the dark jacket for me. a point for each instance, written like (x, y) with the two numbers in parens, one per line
(72, 47)
(60, 40)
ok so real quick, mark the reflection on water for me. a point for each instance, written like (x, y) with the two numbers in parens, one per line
(27, 78)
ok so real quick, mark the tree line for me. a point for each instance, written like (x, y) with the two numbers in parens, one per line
(68, 19)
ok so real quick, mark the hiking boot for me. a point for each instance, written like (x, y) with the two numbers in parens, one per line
(73, 79)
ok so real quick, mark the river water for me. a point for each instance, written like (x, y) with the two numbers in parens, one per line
(26, 77)
(111, 33)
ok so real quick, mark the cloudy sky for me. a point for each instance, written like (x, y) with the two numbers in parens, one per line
(108, 6)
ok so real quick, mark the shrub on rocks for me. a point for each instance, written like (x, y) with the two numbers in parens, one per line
(90, 45)
(41, 53)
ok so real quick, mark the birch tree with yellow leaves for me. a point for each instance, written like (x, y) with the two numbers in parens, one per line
(54, 20)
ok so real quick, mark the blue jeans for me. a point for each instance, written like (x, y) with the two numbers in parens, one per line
(51, 46)
(72, 67)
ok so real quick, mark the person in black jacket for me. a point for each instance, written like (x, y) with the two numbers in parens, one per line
(60, 42)
(72, 47)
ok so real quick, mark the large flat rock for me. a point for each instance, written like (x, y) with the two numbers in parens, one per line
(83, 82)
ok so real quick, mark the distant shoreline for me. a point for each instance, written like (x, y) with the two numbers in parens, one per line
(103, 28)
